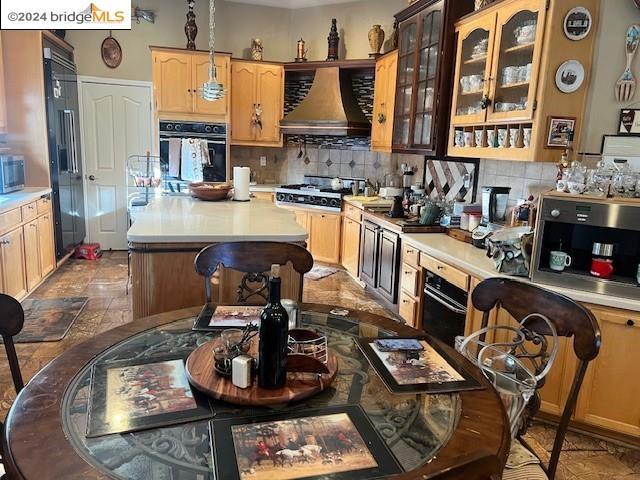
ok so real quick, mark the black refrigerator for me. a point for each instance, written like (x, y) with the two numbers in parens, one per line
(65, 162)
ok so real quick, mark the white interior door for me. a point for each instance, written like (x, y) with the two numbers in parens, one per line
(116, 122)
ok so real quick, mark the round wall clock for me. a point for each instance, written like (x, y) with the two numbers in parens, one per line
(111, 52)
(570, 76)
(577, 23)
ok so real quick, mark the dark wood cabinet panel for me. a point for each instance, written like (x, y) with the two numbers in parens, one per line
(425, 66)
(369, 253)
(388, 264)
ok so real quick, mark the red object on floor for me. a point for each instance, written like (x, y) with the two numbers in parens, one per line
(88, 251)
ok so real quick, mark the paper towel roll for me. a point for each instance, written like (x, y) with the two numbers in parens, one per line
(241, 178)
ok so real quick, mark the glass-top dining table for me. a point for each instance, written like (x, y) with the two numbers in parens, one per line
(446, 435)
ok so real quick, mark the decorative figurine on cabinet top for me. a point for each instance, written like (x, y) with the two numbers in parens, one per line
(256, 49)
(190, 28)
(334, 41)
(301, 51)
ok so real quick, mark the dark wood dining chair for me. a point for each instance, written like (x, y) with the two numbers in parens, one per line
(569, 318)
(254, 260)
(11, 323)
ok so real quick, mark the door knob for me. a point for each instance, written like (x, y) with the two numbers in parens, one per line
(92, 177)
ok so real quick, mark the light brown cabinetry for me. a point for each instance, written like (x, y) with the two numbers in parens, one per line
(610, 392)
(507, 59)
(324, 230)
(32, 256)
(259, 105)
(27, 252)
(350, 252)
(324, 234)
(411, 279)
(3, 102)
(384, 102)
(268, 196)
(14, 278)
(177, 76)
(47, 253)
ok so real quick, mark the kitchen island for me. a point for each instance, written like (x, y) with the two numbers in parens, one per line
(168, 234)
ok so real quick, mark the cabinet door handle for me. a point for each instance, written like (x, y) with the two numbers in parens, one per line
(440, 267)
(631, 323)
(5, 242)
(411, 251)
(32, 225)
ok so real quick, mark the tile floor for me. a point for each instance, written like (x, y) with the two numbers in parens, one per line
(104, 282)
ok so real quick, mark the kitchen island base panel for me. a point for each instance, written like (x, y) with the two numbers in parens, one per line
(163, 278)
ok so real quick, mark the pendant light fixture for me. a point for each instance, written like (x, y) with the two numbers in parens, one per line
(212, 90)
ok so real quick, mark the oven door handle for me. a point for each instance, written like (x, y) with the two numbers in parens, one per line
(446, 301)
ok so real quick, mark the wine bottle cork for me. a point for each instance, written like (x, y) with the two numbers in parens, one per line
(275, 271)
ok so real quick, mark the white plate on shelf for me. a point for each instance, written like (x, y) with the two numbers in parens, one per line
(570, 76)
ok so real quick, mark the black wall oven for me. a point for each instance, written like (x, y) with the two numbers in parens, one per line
(444, 308)
(215, 134)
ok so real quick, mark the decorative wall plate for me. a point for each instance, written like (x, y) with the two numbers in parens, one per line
(111, 52)
(577, 23)
(570, 76)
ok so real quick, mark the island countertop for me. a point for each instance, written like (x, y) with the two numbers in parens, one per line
(173, 219)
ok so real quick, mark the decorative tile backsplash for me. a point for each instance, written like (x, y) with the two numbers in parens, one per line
(524, 178)
(450, 179)
(284, 165)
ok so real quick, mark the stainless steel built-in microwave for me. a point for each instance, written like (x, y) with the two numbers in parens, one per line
(11, 173)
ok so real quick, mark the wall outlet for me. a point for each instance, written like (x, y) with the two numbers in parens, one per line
(263, 161)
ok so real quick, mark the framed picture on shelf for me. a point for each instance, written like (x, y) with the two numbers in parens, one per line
(424, 367)
(329, 443)
(215, 317)
(128, 395)
(629, 121)
(559, 130)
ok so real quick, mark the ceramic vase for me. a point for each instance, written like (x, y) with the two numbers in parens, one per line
(376, 39)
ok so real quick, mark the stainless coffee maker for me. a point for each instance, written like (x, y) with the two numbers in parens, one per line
(494, 204)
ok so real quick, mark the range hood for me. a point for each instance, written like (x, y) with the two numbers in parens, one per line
(328, 109)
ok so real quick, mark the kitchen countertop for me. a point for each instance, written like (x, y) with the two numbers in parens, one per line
(264, 187)
(13, 200)
(363, 202)
(185, 220)
(475, 262)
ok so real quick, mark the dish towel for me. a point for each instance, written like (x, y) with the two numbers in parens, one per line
(175, 145)
(192, 160)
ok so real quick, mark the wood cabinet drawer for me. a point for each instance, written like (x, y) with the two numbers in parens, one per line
(354, 213)
(407, 308)
(10, 219)
(449, 273)
(411, 256)
(409, 280)
(29, 211)
(43, 205)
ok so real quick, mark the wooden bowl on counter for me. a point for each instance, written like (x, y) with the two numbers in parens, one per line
(210, 192)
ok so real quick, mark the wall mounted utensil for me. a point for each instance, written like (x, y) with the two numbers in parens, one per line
(626, 84)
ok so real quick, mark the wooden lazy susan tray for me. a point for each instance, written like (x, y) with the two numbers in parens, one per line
(300, 385)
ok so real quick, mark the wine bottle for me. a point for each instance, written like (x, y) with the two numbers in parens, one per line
(274, 334)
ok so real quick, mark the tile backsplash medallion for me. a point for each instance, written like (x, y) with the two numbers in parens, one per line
(284, 166)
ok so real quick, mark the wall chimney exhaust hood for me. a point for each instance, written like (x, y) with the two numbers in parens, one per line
(329, 108)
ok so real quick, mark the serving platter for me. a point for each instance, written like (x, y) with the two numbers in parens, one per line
(300, 385)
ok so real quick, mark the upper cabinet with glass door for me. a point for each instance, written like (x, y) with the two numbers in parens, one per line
(475, 45)
(508, 59)
(423, 88)
(519, 32)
